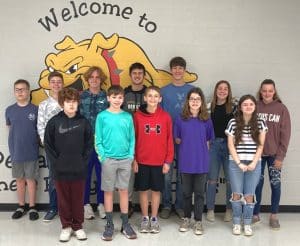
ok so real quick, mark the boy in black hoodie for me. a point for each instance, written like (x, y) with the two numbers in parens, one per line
(68, 143)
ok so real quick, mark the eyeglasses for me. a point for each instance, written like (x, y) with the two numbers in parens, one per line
(20, 90)
(195, 99)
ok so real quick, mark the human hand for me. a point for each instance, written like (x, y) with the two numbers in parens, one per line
(243, 167)
(166, 168)
(135, 166)
(278, 164)
(251, 166)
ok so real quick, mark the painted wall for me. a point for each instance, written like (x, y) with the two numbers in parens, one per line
(241, 41)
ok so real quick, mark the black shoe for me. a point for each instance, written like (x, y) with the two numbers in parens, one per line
(18, 213)
(33, 214)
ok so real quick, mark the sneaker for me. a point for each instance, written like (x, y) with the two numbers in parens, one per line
(179, 213)
(33, 214)
(108, 232)
(198, 229)
(236, 229)
(165, 213)
(255, 219)
(80, 235)
(154, 225)
(18, 213)
(101, 211)
(274, 224)
(185, 225)
(88, 212)
(248, 230)
(65, 234)
(145, 225)
(50, 215)
(130, 209)
(228, 215)
(210, 215)
(128, 231)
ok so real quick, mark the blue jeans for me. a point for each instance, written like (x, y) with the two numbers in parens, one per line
(51, 188)
(218, 154)
(275, 182)
(93, 163)
(167, 192)
(243, 184)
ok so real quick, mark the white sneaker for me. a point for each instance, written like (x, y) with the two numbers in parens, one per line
(236, 229)
(88, 212)
(65, 234)
(80, 234)
(228, 215)
(210, 215)
(101, 211)
(248, 230)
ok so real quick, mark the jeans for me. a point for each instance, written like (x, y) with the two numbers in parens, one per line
(218, 154)
(275, 182)
(167, 192)
(93, 162)
(51, 188)
(193, 183)
(244, 184)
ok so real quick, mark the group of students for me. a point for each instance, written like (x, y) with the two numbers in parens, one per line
(131, 138)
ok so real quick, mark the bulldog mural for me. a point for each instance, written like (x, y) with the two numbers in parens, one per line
(113, 54)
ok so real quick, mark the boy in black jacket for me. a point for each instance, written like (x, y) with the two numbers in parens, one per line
(68, 143)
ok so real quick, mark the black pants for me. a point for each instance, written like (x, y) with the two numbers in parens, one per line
(193, 183)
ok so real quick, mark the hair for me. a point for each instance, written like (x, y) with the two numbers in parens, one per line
(137, 65)
(177, 61)
(186, 112)
(268, 82)
(115, 90)
(68, 94)
(55, 74)
(154, 88)
(240, 123)
(228, 103)
(22, 81)
(92, 69)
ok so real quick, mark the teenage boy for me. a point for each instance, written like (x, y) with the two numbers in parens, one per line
(47, 109)
(68, 144)
(134, 97)
(93, 101)
(173, 97)
(153, 128)
(114, 142)
(23, 147)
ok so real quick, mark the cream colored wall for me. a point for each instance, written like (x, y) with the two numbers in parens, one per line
(241, 41)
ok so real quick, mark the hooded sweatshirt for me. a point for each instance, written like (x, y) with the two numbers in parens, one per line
(68, 144)
(133, 99)
(277, 117)
(154, 139)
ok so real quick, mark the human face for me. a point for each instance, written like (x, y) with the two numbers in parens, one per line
(222, 92)
(115, 101)
(152, 98)
(248, 107)
(70, 107)
(21, 92)
(177, 73)
(94, 80)
(137, 76)
(55, 84)
(267, 92)
(195, 102)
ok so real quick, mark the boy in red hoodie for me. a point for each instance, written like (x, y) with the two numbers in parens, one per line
(153, 155)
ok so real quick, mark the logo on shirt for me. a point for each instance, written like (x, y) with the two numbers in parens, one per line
(149, 129)
(31, 116)
(62, 130)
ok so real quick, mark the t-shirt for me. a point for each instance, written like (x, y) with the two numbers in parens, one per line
(246, 149)
(220, 120)
(114, 135)
(173, 98)
(193, 150)
(23, 137)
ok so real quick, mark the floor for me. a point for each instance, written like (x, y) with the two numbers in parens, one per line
(24, 232)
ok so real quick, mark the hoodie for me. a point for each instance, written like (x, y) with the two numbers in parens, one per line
(277, 118)
(154, 139)
(68, 144)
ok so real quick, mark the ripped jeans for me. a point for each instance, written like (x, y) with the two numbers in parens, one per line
(275, 182)
(243, 184)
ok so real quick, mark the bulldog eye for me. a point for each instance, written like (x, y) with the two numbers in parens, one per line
(51, 69)
(72, 69)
